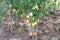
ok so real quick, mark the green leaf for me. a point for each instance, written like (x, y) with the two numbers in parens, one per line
(0, 18)
(37, 1)
(19, 29)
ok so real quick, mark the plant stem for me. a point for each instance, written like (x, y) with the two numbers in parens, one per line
(11, 20)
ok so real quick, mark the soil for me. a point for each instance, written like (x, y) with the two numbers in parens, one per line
(48, 28)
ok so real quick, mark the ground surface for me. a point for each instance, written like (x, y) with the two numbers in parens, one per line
(47, 30)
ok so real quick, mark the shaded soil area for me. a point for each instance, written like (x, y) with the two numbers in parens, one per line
(48, 28)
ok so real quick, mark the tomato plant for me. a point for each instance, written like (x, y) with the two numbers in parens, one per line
(18, 7)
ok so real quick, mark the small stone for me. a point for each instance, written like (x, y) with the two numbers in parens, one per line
(15, 39)
(40, 31)
(1, 30)
(54, 38)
